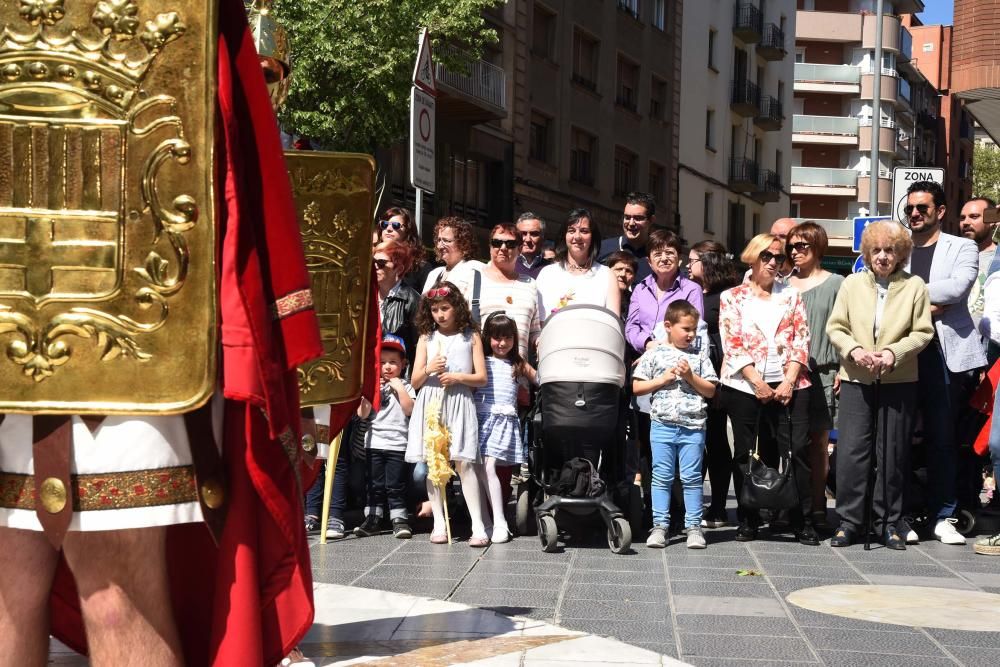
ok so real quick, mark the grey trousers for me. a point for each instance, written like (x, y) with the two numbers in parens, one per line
(856, 414)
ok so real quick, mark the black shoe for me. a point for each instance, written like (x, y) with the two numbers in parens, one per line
(893, 540)
(372, 525)
(312, 524)
(807, 536)
(844, 537)
(746, 533)
(401, 529)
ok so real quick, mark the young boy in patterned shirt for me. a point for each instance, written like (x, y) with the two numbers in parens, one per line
(680, 375)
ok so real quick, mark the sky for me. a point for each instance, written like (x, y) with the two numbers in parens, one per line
(937, 11)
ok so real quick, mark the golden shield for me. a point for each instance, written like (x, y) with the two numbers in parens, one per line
(334, 196)
(107, 238)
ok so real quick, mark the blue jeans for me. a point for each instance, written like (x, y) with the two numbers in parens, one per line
(677, 451)
(995, 439)
(338, 499)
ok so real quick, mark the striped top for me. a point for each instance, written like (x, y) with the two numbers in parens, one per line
(519, 299)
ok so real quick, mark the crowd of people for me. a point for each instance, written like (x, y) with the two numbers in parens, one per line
(737, 358)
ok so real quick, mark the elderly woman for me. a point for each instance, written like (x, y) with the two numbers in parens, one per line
(880, 321)
(807, 244)
(765, 343)
(576, 277)
(397, 225)
(455, 246)
(658, 290)
(397, 302)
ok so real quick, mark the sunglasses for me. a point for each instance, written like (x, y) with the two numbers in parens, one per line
(921, 208)
(800, 246)
(767, 256)
(438, 292)
(386, 224)
(381, 263)
(510, 244)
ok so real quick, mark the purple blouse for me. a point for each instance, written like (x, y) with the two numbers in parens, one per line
(645, 311)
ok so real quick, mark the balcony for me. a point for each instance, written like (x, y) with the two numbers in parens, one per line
(770, 115)
(830, 130)
(476, 94)
(824, 181)
(743, 174)
(839, 232)
(768, 186)
(886, 135)
(890, 32)
(748, 22)
(884, 187)
(815, 78)
(828, 26)
(905, 58)
(772, 44)
(744, 97)
(887, 82)
(904, 93)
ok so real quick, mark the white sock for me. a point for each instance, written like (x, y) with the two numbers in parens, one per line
(496, 496)
(470, 489)
(437, 508)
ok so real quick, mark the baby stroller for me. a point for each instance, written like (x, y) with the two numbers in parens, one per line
(579, 415)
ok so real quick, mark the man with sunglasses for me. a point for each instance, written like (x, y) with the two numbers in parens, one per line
(949, 366)
(637, 223)
(531, 229)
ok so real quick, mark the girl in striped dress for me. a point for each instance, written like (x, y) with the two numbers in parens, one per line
(496, 406)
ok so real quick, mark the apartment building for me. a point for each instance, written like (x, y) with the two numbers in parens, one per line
(736, 134)
(833, 111)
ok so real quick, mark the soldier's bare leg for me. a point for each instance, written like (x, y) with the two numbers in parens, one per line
(122, 579)
(27, 565)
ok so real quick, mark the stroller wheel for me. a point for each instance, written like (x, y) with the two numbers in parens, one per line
(619, 535)
(523, 511)
(966, 522)
(548, 533)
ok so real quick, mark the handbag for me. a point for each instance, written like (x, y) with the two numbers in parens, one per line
(767, 488)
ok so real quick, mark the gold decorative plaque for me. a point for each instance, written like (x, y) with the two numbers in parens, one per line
(107, 239)
(334, 195)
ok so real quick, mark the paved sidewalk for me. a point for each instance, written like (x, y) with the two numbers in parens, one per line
(695, 605)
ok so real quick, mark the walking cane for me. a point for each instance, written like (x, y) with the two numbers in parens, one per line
(331, 470)
(870, 482)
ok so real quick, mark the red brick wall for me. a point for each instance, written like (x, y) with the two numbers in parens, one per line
(821, 156)
(817, 206)
(825, 53)
(818, 104)
(976, 47)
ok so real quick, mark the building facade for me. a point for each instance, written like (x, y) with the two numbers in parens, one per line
(735, 122)
(833, 111)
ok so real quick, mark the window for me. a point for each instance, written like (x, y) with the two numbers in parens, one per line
(657, 98)
(540, 135)
(781, 92)
(711, 49)
(660, 14)
(543, 35)
(624, 172)
(707, 212)
(710, 129)
(629, 7)
(585, 49)
(794, 209)
(657, 181)
(583, 148)
(756, 224)
(628, 84)
(779, 163)
(469, 187)
(736, 236)
(800, 55)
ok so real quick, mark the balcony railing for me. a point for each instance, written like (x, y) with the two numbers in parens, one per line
(748, 22)
(480, 80)
(825, 125)
(743, 174)
(866, 121)
(772, 44)
(768, 186)
(630, 7)
(744, 97)
(823, 177)
(905, 91)
(581, 80)
(769, 114)
(815, 73)
(905, 44)
(835, 228)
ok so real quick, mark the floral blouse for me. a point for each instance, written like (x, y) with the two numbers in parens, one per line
(743, 342)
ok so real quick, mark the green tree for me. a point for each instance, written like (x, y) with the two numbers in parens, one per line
(986, 171)
(352, 63)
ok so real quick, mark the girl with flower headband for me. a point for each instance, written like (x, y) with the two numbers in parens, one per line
(449, 363)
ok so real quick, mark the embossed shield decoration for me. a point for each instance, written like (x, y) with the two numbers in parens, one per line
(334, 195)
(107, 239)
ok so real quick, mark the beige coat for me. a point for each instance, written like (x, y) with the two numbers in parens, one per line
(906, 326)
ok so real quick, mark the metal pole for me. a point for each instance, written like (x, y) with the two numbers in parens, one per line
(876, 111)
(420, 214)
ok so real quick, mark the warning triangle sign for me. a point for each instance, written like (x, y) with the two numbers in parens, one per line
(423, 72)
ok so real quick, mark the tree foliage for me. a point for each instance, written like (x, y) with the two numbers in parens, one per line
(352, 63)
(986, 171)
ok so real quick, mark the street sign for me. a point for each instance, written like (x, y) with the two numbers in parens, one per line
(859, 228)
(859, 265)
(904, 177)
(423, 70)
(421, 140)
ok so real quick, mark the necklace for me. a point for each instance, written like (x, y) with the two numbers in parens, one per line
(573, 266)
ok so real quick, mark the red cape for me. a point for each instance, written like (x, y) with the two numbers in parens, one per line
(247, 601)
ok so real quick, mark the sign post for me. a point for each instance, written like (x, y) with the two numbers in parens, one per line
(904, 177)
(422, 125)
(859, 228)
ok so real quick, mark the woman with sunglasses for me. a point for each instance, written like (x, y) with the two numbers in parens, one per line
(397, 225)
(765, 342)
(397, 303)
(455, 246)
(504, 290)
(807, 244)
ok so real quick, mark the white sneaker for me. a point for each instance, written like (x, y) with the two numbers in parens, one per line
(912, 537)
(696, 538)
(945, 531)
(657, 538)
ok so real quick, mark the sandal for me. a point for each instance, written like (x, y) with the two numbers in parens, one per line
(439, 538)
(479, 542)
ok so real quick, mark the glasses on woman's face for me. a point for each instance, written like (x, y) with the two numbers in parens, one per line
(444, 241)
(381, 263)
(668, 256)
(693, 260)
(766, 257)
(510, 244)
(798, 246)
(386, 224)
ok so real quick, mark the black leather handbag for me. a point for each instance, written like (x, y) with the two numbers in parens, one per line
(767, 488)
